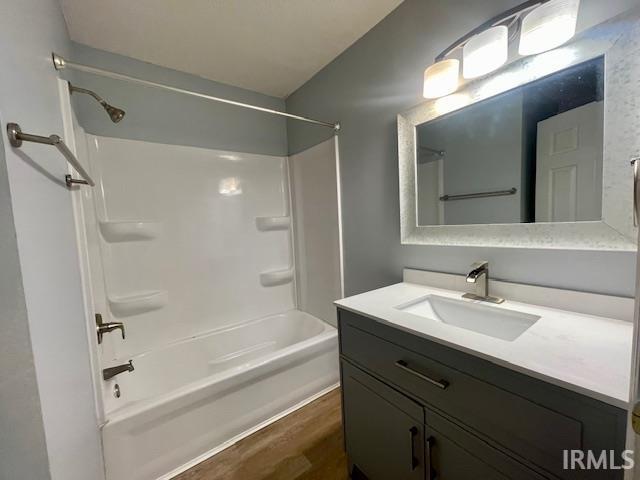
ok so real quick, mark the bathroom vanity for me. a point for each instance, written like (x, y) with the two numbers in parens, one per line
(442, 383)
(428, 396)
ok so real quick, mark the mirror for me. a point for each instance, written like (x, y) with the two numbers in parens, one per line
(533, 154)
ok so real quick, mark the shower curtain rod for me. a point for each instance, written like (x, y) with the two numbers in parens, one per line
(60, 63)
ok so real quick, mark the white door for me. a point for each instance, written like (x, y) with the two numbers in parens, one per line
(569, 165)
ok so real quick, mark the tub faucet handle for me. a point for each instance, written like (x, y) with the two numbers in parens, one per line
(106, 327)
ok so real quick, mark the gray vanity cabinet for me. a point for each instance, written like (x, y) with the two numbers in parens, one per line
(389, 436)
(410, 402)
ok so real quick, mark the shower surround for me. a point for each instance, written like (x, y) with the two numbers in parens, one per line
(192, 249)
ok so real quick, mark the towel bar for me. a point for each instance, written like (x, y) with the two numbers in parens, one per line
(17, 136)
(465, 196)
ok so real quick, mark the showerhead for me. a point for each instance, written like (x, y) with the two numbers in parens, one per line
(116, 114)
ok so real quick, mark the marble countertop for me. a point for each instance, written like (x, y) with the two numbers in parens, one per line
(588, 354)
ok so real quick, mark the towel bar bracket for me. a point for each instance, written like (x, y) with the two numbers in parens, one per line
(13, 131)
(70, 181)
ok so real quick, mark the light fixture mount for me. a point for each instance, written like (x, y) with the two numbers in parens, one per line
(509, 18)
(541, 25)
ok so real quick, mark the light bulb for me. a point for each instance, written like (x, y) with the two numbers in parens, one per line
(549, 26)
(441, 78)
(485, 52)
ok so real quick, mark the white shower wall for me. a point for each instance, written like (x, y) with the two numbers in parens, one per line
(181, 250)
(192, 249)
(316, 209)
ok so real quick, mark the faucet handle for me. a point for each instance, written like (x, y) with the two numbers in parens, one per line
(120, 326)
(106, 327)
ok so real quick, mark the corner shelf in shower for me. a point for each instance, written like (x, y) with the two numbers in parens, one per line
(115, 232)
(276, 277)
(142, 302)
(266, 224)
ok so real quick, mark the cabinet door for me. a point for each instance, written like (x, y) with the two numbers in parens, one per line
(454, 453)
(448, 460)
(384, 439)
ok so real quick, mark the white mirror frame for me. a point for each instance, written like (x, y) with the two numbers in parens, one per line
(618, 41)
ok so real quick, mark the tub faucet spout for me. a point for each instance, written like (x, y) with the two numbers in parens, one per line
(111, 372)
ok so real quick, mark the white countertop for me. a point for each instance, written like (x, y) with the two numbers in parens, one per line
(587, 354)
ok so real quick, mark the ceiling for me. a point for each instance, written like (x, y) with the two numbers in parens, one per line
(268, 46)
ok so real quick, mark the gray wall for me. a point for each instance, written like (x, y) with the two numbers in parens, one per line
(23, 451)
(364, 88)
(165, 117)
(47, 279)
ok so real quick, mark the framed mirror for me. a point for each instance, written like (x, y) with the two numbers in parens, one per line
(535, 155)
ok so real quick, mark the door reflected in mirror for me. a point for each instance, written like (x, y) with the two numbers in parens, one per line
(533, 154)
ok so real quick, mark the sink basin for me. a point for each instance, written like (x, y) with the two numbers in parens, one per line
(501, 323)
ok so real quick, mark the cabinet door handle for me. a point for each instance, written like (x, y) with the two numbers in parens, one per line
(431, 473)
(634, 163)
(405, 366)
(413, 431)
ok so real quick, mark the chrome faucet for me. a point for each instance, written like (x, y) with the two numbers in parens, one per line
(111, 372)
(106, 327)
(479, 275)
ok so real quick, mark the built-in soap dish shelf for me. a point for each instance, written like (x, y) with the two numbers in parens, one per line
(115, 232)
(276, 277)
(267, 224)
(142, 302)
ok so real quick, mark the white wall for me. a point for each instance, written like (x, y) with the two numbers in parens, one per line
(317, 232)
(29, 31)
(205, 259)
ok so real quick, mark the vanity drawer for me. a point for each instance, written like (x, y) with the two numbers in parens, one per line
(528, 430)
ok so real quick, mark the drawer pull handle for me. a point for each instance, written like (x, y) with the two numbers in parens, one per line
(413, 431)
(438, 383)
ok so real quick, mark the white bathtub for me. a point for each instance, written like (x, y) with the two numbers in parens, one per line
(189, 400)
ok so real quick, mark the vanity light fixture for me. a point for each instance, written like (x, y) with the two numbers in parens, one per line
(485, 52)
(441, 78)
(541, 24)
(549, 26)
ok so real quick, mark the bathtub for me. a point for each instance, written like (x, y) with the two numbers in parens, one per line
(189, 400)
